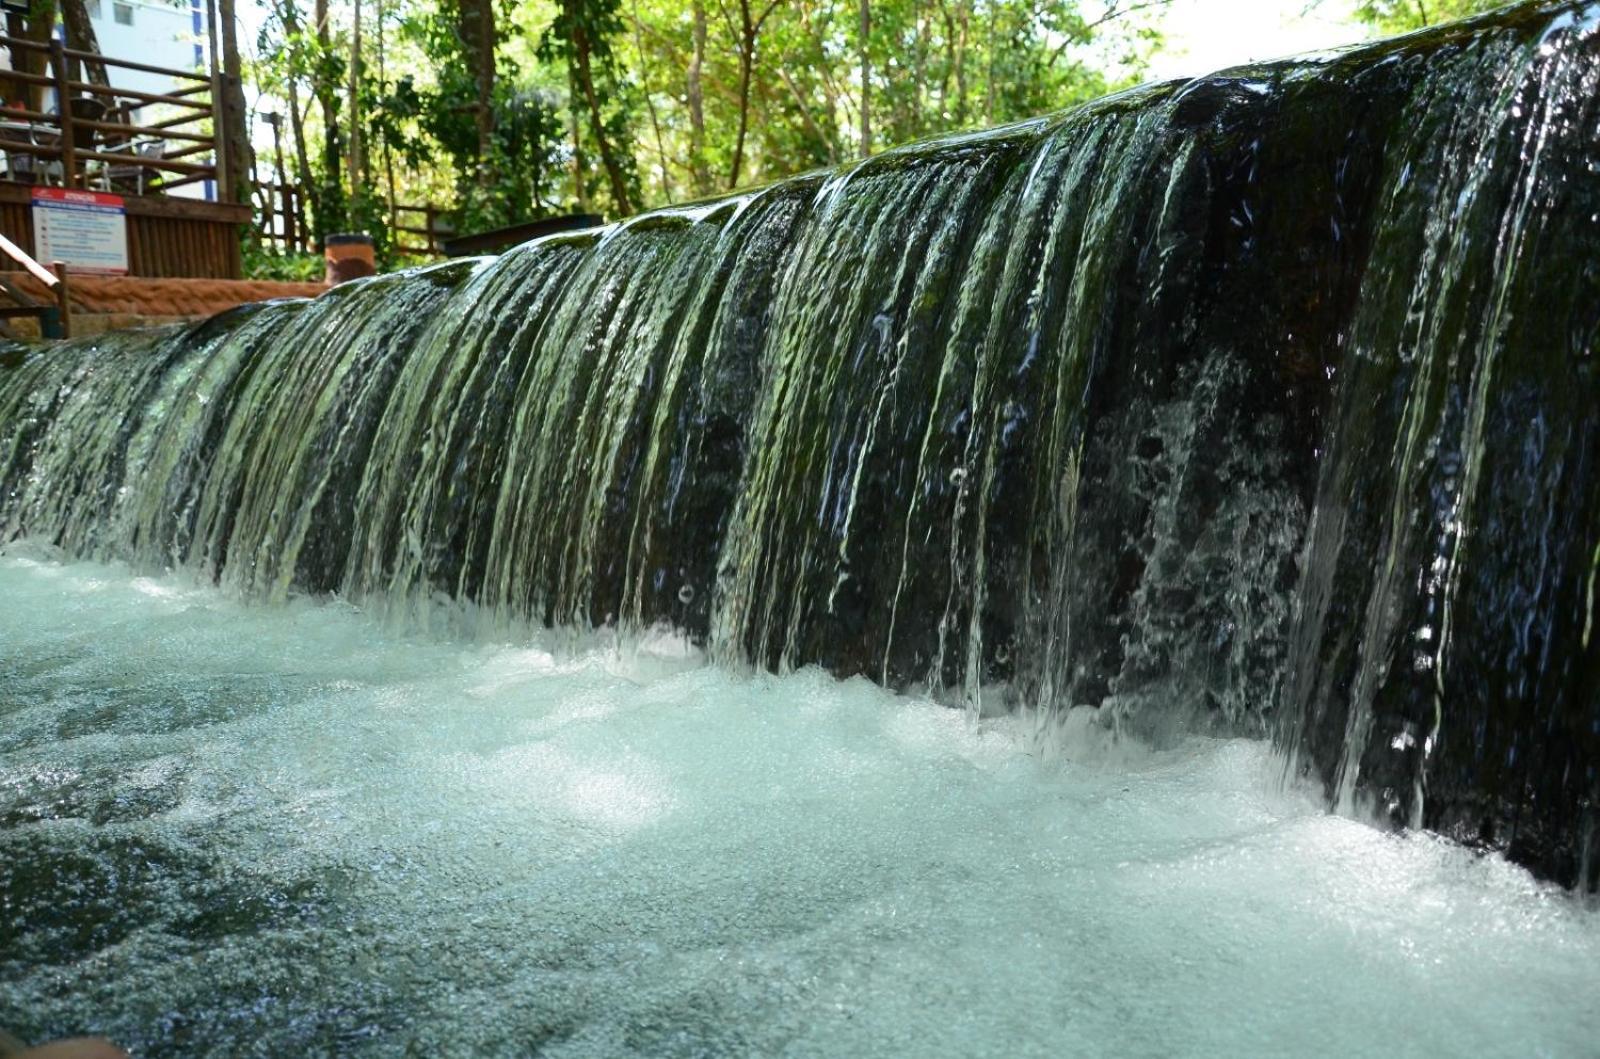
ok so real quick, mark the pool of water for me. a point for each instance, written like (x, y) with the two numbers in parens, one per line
(276, 831)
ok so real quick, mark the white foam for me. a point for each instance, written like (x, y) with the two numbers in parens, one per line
(589, 849)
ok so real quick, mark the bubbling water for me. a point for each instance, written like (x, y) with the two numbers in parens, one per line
(229, 829)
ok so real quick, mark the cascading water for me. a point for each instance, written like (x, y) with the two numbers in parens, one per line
(1257, 405)
(1263, 402)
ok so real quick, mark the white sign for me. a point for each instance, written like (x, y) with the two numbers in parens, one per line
(88, 230)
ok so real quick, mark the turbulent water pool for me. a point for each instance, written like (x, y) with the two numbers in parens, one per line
(280, 831)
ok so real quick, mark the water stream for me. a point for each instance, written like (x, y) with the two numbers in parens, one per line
(1241, 420)
(235, 830)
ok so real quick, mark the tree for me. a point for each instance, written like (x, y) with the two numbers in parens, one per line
(509, 111)
(475, 24)
(694, 99)
(327, 70)
(748, 34)
(581, 35)
(80, 36)
(864, 44)
(240, 156)
(1399, 16)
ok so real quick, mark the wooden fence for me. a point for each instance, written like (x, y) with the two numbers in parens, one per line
(282, 223)
(282, 218)
(432, 229)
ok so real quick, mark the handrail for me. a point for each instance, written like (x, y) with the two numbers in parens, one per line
(37, 150)
(148, 97)
(25, 259)
(151, 162)
(188, 152)
(193, 178)
(38, 117)
(170, 123)
(129, 64)
(192, 90)
(96, 57)
(27, 78)
(56, 282)
(77, 143)
(24, 43)
(141, 130)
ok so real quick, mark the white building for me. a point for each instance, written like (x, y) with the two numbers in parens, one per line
(155, 33)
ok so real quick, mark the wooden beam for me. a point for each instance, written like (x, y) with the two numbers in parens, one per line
(142, 130)
(148, 97)
(62, 304)
(170, 123)
(124, 158)
(69, 160)
(170, 207)
(129, 64)
(179, 209)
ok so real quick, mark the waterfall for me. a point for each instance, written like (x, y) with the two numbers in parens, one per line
(1262, 402)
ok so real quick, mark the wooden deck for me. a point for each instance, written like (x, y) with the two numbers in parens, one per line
(62, 129)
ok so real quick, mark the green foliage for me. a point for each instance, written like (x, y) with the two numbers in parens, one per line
(609, 105)
(1399, 16)
(434, 122)
(288, 266)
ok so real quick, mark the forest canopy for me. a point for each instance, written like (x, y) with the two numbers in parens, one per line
(504, 112)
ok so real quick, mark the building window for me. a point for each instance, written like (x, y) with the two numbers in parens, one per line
(123, 13)
(93, 7)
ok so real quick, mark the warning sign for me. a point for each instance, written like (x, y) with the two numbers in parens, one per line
(86, 229)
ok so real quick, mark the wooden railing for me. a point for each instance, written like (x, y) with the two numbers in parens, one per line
(94, 136)
(55, 321)
(433, 229)
(281, 210)
(282, 223)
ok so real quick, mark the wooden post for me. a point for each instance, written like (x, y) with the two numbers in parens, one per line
(433, 241)
(61, 298)
(219, 141)
(69, 154)
(285, 197)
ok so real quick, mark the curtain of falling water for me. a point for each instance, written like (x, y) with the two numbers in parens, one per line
(1263, 401)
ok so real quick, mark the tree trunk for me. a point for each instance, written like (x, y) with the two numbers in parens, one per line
(302, 158)
(919, 72)
(837, 145)
(235, 117)
(866, 79)
(284, 204)
(584, 75)
(696, 99)
(81, 37)
(36, 27)
(476, 25)
(989, 83)
(323, 86)
(747, 59)
(749, 36)
(955, 36)
(297, 122)
(388, 152)
(650, 105)
(356, 164)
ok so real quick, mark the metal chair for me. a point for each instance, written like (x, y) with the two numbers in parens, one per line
(120, 174)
